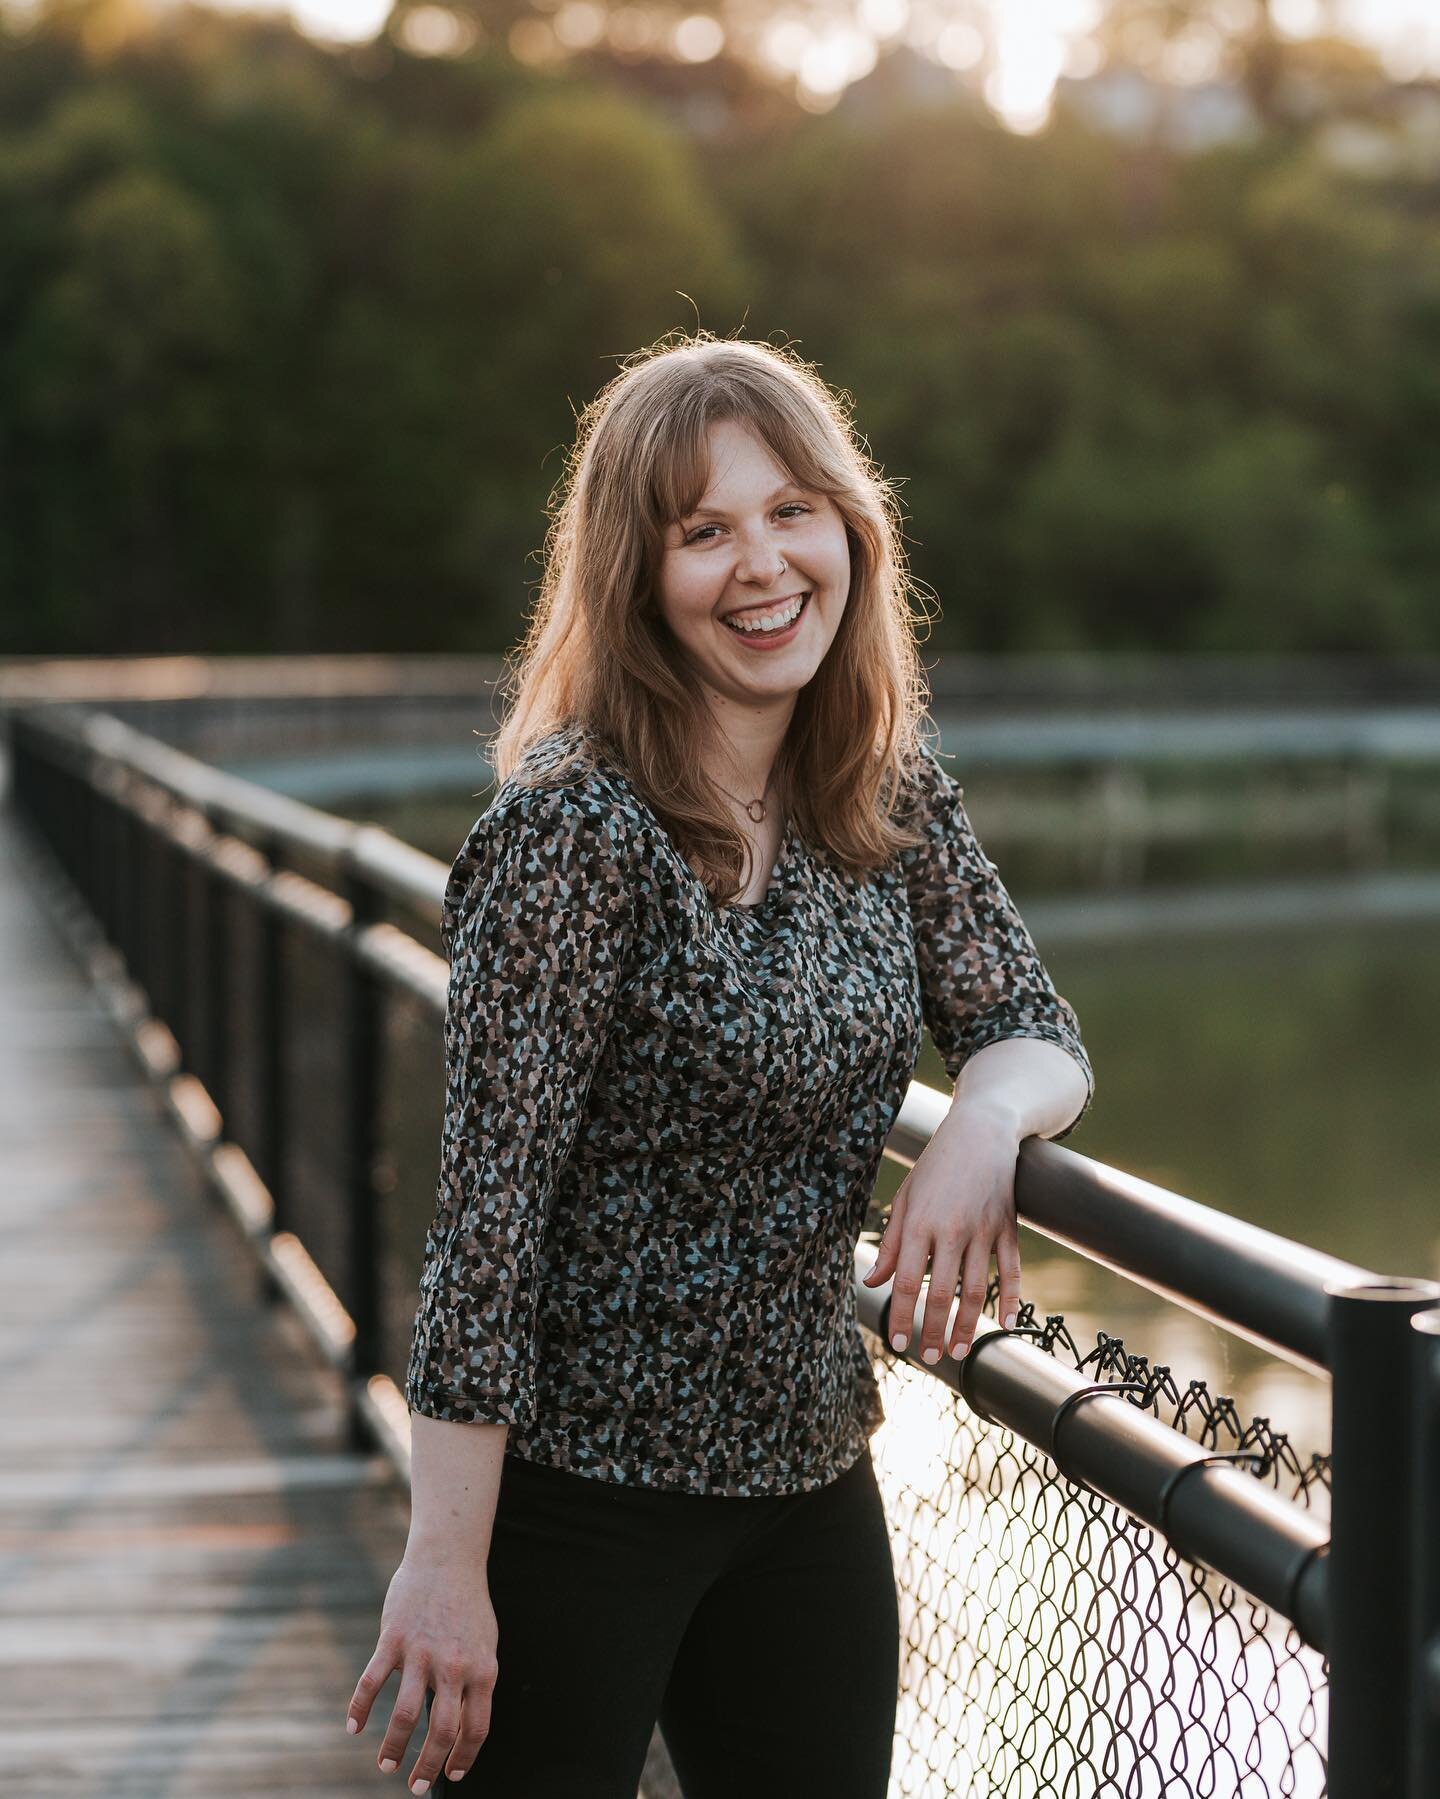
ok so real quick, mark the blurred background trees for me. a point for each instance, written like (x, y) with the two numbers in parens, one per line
(293, 334)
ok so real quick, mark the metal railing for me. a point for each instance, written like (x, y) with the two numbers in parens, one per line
(1055, 1552)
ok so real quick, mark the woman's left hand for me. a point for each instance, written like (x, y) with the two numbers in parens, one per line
(954, 1209)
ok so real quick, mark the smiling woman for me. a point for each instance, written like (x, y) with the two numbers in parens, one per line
(716, 486)
(772, 572)
(721, 886)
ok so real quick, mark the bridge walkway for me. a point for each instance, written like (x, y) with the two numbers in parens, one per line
(192, 1559)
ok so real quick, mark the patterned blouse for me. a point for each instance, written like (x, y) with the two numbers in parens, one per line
(664, 1120)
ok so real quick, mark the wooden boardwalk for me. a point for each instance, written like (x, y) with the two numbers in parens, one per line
(192, 1562)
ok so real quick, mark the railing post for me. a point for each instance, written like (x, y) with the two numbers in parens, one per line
(218, 1020)
(159, 924)
(132, 862)
(91, 881)
(1371, 1569)
(106, 895)
(178, 937)
(364, 1021)
(137, 862)
(1425, 1549)
(175, 920)
(99, 891)
(193, 889)
(268, 1070)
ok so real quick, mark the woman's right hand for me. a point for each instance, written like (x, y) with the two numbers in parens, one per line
(438, 1627)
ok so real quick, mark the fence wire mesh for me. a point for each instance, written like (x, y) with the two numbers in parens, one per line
(1055, 1647)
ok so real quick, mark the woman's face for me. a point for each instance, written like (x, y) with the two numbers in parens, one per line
(754, 546)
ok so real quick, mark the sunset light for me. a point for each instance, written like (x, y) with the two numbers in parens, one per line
(1014, 52)
(1031, 41)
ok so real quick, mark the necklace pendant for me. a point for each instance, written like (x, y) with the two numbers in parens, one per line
(756, 817)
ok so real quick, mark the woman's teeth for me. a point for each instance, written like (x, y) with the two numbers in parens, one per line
(759, 623)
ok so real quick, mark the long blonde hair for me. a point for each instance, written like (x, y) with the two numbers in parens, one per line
(598, 653)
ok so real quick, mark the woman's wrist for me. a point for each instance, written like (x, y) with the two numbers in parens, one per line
(445, 1545)
(992, 1109)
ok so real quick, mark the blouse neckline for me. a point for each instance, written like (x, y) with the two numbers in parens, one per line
(777, 876)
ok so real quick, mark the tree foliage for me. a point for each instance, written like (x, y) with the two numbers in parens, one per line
(293, 343)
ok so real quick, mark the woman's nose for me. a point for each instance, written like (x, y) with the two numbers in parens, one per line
(759, 563)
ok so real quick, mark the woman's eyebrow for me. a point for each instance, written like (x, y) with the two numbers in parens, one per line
(719, 511)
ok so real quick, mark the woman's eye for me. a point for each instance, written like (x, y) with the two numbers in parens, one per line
(699, 536)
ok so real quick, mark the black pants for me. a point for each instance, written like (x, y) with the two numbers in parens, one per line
(761, 1633)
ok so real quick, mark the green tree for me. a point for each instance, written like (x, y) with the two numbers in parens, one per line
(125, 357)
(559, 241)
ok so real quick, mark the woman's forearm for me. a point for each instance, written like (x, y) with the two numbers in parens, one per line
(1041, 1085)
(454, 1483)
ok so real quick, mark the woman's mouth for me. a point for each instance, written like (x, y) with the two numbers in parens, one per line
(767, 627)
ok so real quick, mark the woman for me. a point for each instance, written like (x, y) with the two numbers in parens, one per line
(693, 939)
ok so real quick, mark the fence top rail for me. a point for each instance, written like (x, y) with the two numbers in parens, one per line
(169, 679)
(1207, 678)
(396, 869)
(1154, 733)
(1265, 1287)
(1256, 1284)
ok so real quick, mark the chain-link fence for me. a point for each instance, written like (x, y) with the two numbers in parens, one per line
(1055, 1647)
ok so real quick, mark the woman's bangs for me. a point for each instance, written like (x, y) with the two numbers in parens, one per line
(680, 462)
(800, 454)
(679, 472)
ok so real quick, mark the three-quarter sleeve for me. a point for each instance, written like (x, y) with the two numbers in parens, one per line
(538, 922)
(981, 978)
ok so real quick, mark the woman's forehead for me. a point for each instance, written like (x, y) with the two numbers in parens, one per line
(698, 473)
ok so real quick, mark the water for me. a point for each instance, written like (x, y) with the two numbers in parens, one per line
(1286, 1078)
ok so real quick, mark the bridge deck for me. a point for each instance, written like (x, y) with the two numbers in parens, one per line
(192, 1564)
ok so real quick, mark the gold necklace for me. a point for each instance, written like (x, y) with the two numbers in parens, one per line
(754, 817)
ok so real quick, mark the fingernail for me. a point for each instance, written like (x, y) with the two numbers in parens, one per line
(421, 1786)
(388, 1767)
(932, 1354)
(1010, 1321)
(898, 1340)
